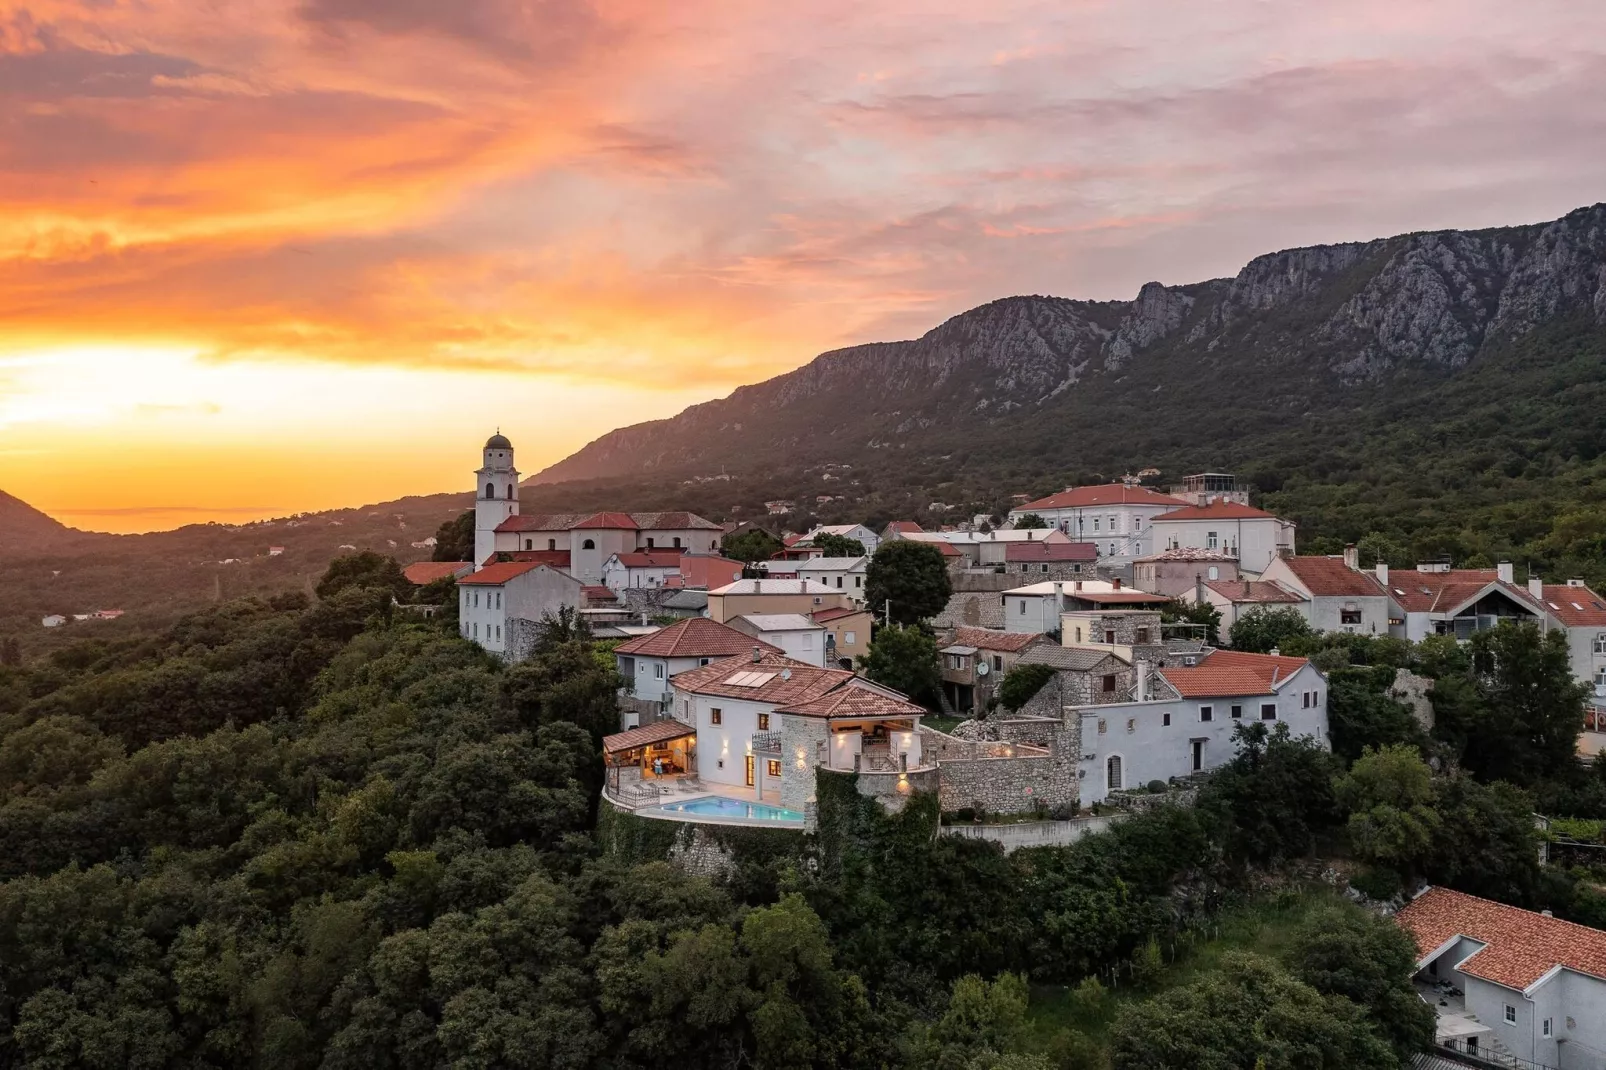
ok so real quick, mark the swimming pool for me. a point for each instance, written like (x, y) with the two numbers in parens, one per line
(718, 806)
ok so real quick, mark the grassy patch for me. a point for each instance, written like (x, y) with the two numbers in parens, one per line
(942, 724)
(1263, 927)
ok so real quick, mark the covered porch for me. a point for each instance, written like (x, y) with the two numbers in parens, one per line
(873, 744)
(642, 764)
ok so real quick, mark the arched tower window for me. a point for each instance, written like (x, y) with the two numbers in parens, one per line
(510, 490)
(490, 490)
(589, 544)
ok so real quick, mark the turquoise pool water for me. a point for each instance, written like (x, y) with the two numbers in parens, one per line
(719, 806)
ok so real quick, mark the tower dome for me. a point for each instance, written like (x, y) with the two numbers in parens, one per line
(498, 441)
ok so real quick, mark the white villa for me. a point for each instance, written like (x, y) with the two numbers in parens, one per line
(1254, 537)
(1116, 517)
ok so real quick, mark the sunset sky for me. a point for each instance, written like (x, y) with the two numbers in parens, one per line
(260, 256)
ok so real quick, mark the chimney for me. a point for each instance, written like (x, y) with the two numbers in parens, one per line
(1246, 590)
(1198, 588)
(1142, 666)
(1383, 573)
(1077, 585)
(1505, 572)
(1115, 584)
(1536, 586)
(1352, 557)
(758, 655)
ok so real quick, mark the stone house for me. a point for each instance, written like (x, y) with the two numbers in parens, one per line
(1174, 573)
(1045, 560)
(1082, 676)
(974, 660)
(847, 635)
(1233, 598)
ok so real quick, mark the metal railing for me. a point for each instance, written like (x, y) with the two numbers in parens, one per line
(1477, 1054)
(767, 742)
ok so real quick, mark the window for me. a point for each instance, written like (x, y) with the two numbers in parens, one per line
(1349, 616)
(1107, 682)
(529, 544)
(1109, 636)
(1511, 1015)
(658, 671)
(1268, 711)
(1198, 755)
(1095, 523)
(1213, 572)
(1165, 720)
(676, 541)
(1045, 568)
(715, 717)
(850, 637)
(772, 767)
(1212, 541)
(1103, 727)
(839, 581)
(552, 544)
(498, 599)
(763, 722)
(498, 633)
(589, 544)
(1142, 636)
(1600, 643)
(998, 663)
(1112, 772)
(649, 544)
(858, 581)
(1207, 713)
(476, 599)
(1237, 712)
(476, 629)
(704, 661)
(1023, 606)
(1304, 700)
(808, 640)
(1137, 523)
(490, 491)
(1112, 524)
(1546, 1028)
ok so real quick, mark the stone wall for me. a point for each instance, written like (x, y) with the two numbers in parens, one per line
(803, 740)
(1125, 625)
(521, 637)
(650, 600)
(984, 774)
(1067, 688)
(700, 855)
(1412, 690)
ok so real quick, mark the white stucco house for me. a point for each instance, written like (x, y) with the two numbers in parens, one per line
(869, 539)
(1532, 986)
(1037, 607)
(1182, 719)
(1338, 595)
(796, 635)
(1114, 516)
(488, 600)
(641, 568)
(845, 574)
(1255, 537)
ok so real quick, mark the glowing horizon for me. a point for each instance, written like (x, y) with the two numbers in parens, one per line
(305, 254)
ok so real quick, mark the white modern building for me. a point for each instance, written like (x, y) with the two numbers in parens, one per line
(1255, 537)
(845, 574)
(1115, 516)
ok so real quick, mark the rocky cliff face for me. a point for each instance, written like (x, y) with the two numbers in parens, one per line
(1340, 317)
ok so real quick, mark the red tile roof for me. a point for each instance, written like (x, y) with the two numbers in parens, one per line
(988, 639)
(854, 699)
(1253, 591)
(1522, 946)
(1107, 494)
(1576, 607)
(1034, 550)
(1188, 554)
(558, 559)
(499, 573)
(1216, 510)
(541, 522)
(675, 520)
(1233, 673)
(609, 521)
(422, 572)
(657, 732)
(1329, 577)
(786, 680)
(904, 527)
(1126, 596)
(1445, 592)
(822, 616)
(694, 637)
(595, 592)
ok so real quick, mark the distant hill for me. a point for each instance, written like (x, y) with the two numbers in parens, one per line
(24, 528)
(1447, 388)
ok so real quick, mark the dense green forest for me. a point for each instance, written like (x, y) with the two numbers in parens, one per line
(314, 830)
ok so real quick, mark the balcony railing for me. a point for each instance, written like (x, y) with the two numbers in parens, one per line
(766, 742)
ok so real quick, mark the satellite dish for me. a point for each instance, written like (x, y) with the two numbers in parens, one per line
(982, 668)
(786, 674)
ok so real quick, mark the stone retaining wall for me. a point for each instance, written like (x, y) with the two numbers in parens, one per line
(1033, 833)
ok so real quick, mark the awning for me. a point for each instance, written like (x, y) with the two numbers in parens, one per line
(657, 732)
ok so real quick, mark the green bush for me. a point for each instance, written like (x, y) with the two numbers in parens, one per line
(1021, 683)
(1157, 787)
(1379, 883)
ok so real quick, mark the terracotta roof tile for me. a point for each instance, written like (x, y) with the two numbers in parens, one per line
(988, 639)
(694, 637)
(499, 573)
(657, 732)
(1107, 494)
(596, 592)
(651, 559)
(422, 572)
(708, 570)
(609, 521)
(1051, 551)
(1445, 592)
(854, 698)
(1253, 591)
(1329, 577)
(785, 680)
(558, 559)
(1233, 673)
(823, 616)
(1576, 607)
(1522, 946)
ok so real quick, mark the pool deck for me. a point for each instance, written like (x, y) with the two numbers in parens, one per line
(736, 794)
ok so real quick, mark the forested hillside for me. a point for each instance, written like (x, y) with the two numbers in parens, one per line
(312, 831)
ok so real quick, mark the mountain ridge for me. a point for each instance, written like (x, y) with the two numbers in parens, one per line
(1344, 316)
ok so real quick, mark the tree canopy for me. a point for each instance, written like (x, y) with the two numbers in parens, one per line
(912, 576)
(904, 659)
(1261, 630)
(838, 545)
(754, 544)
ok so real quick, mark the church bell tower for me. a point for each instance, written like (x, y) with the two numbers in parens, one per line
(496, 495)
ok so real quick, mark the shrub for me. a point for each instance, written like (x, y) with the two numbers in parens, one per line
(1157, 787)
(1379, 883)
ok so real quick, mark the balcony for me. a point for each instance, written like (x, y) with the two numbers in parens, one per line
(767, 743)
